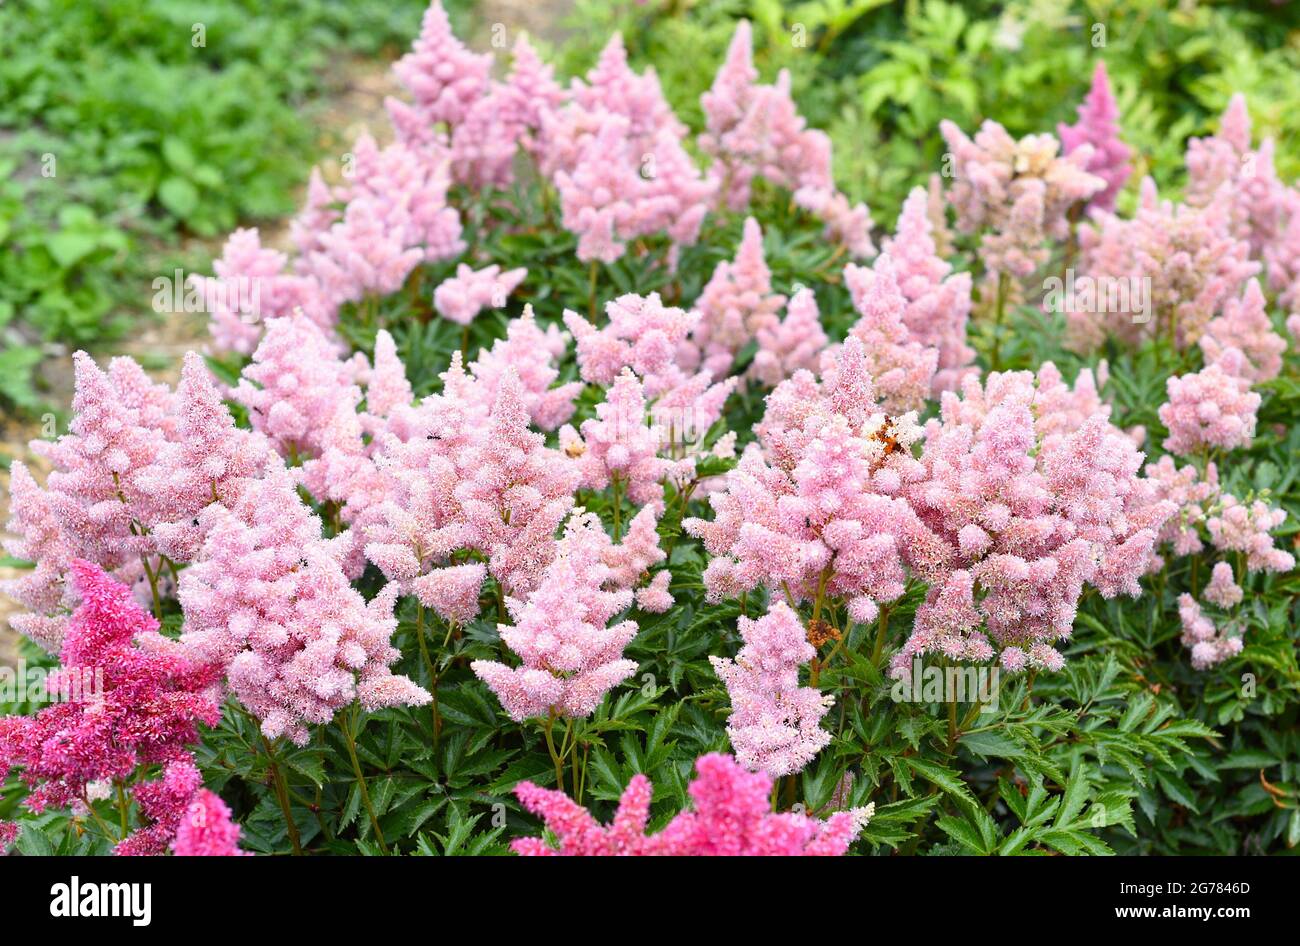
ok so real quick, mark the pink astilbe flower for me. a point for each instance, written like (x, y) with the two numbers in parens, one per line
(619, 445)
(1018, 193)
(295, 386)
(1245, 326)
(1214, 407)
(268, 601)
(1209, 645)
(443, 77)
(630, 560)
(902, 368)
(938, 300)
(514, 492)
(532, 354)
(95, 489)
(128, 699)
(1191, 496)
(737, 302)
(529, 94)
(163, 801)
(213, 461)
(1098, 125)
(1237, 527)
(470, 291)
(1223, 589)
(570, 655)
(813, 507)
(792, 344)
(252, 285)
(655, 598)
(732, 816)
(775, 724)
(38, 539)
(316, 216)
(1191, 259)
(755, 130)
(1032, 510)
(387, 388)
(1282, 258)
(1222, 167)
(206, 829)
(642, 334)
(360, 256)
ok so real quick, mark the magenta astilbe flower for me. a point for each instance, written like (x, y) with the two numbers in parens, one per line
(736, 303)
(775, 724)
(1223, 589)
(732, 816)
(294, 387)
(902, 368)
(1017, 193)
(1191, 259)
(1237, 527)
(619, 446)
(443, 77)
(469, 292)
(1098, 125)
(206, 829)
(570, 655)
(268, 601)
(128, 699)
(213, 461)
(532, 354)
(1245, 326)
(792, 344)
(1209, 645)
(9, 831)
(1214, 407)
(938, 300)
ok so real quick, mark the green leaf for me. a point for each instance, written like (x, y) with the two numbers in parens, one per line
(179, 196)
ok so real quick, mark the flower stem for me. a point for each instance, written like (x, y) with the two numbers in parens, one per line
(281, 790)
(346, 723)
(433, 674)
(1000, 305)
(555, 756)
(882, 631)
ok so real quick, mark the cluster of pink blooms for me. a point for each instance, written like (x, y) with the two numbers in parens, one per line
(1098, 126)
(815, 507)
(775, 724)
(794, 343)
(130, 699)
(470, 291)
(1209, 645)
(206, 829)
(754, 130)
(731, 817)
(1213, 408)
(1245, 326)
(570, 655)
(1017, 193)
(1034, 498)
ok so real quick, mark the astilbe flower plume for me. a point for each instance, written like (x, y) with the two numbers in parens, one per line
(1193, 262)
(470, 291)
(443, 77)
(1098, 125)
(1209, 645)
(731, 816)
(268, 602)
(1212, 408)
(206, 829)
(570, 655)
(1032, 510)
(38, 538)
(737, 302)
(532, 354)
(775, 724)
(1245, 326)
(792, 344)
(754, 130)
(938, 300)
(1018, 193)
(1238, 527)
(901, 368)
(619, 445)
(129, 699)
(813, 508)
